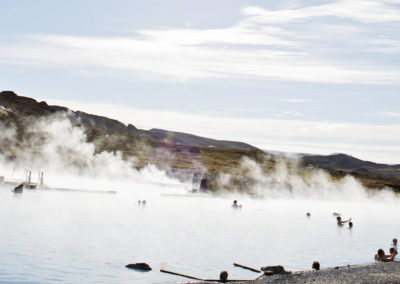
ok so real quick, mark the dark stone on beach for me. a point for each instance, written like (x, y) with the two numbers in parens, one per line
(139, 266)
(268, 273)
(276, 269)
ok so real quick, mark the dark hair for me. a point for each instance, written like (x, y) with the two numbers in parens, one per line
(315, 265)
(395, 241)
(391, 250)
(223, 276)
(381, 252)
(338, 218)
(350, 224)
(235, 201)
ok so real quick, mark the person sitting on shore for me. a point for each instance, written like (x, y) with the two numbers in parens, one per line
(315, 265)
(391, 251)
(382, 257)
(340, 222)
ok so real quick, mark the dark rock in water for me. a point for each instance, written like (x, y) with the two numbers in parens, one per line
(139, 266)
(276, 269)
(19, 188)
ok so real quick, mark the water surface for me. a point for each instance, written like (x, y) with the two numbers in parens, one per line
(64, 237)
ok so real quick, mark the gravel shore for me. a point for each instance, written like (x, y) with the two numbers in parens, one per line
(380, 272)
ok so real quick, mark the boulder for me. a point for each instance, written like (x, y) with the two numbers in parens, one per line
(276, 269)
(139, 266)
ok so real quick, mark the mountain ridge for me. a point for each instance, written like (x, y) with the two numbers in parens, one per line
(29, 106)
(180, 154)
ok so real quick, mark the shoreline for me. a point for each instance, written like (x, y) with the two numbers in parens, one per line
(378, 272)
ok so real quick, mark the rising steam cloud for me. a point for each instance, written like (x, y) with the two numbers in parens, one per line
(290, 180)
(58, 147)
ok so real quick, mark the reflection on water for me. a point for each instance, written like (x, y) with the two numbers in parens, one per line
(63, 237)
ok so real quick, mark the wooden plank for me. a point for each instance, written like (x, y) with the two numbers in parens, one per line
(180, 274)
(246, 267)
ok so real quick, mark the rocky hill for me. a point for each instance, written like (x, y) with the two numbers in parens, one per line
(350, 164)
(29, 107)
(197, 141)
(372, 174)
(179, 154)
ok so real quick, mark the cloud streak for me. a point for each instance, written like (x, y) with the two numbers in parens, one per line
(260, 46)
(368, 11)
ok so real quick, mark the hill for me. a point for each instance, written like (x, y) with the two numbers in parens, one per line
(372, 174)
(348, 163)
(181, 155)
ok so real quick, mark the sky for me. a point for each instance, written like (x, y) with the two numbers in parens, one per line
(296, 76)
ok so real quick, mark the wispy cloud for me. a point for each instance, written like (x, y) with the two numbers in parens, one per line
(392, 114)
(262, 45)
(357, 10)
(292, 100)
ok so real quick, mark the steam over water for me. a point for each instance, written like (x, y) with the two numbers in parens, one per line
(64, 237)
(51, 236)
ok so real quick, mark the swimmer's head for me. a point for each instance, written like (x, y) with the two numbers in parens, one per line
(315, 265)
(381, 252)
(223, 276)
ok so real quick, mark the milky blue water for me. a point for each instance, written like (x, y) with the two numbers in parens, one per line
(63, 237)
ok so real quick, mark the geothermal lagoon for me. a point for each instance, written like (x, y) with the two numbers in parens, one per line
(53, 236)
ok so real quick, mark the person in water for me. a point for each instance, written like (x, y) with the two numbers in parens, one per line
(350, 225)
(394, 245)
(308, 214)
(340, 222)
(382, 257)
(235, 205)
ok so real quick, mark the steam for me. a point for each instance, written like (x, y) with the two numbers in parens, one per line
(289, 180)
(60, 148)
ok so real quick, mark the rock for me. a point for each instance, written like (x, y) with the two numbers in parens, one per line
(139, 266)
(276, 269)
(268, 273)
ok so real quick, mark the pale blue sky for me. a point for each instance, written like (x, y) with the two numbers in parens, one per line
(301, 76)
